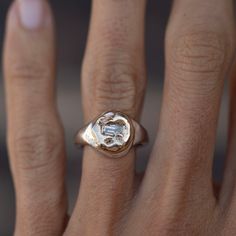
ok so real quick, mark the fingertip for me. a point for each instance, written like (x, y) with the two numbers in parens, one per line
(12, 14)
(29, 44)
(30, 15)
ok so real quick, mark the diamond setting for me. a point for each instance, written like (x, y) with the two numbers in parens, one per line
(111, 132)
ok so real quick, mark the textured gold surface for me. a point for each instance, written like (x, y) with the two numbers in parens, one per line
(111, 133)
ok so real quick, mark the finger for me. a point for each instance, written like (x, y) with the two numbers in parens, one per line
(199, 50)
(113, 78)
(35, 135)
(228, 190)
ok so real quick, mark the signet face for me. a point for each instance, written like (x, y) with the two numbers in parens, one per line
(112, 133)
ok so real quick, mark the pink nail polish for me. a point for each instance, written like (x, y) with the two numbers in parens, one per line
(31, 13)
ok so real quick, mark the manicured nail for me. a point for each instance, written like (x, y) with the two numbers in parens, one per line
(31, 13)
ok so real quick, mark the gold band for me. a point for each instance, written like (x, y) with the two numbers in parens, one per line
(112, 133)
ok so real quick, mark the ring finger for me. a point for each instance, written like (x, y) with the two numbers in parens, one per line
(113, 78)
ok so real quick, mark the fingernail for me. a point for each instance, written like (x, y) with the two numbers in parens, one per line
(31, 13)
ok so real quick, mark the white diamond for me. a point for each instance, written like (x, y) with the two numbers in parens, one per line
(112, 130)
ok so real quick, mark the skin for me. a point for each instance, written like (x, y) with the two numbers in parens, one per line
(176, 195)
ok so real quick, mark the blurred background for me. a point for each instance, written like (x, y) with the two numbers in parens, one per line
(72, 19)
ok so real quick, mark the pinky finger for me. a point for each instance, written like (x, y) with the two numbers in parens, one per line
(35, 135)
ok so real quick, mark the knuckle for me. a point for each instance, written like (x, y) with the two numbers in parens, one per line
(199, 53)
(28, 71)
(118, 86)
(37, 147)
(199, 57)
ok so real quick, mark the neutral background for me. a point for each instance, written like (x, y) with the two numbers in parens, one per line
(72, 19)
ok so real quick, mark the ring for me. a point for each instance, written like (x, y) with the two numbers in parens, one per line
(112, 133)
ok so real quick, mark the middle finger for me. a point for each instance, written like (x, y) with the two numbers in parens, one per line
(199, 50)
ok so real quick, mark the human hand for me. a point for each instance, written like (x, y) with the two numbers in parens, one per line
(176, 195)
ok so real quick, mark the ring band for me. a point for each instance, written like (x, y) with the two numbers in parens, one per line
(113, 134)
